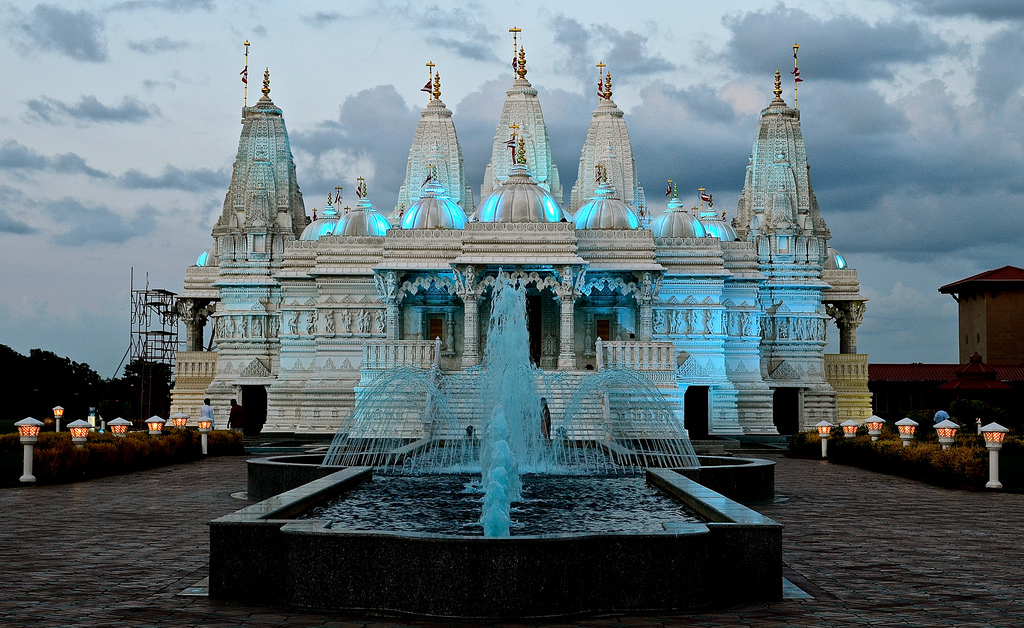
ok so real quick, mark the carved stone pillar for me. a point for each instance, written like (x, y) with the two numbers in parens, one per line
(848, 316)
(389, 292)
(567, 291)
(194, 313)
(645, 300)
(466, 288)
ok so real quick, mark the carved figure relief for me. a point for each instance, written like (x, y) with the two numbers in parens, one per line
(311, 323)
(380, 321)
(659, 321)
(257, 327)
(293, 323)
(346, 321)
(330, 321)
(363, 322)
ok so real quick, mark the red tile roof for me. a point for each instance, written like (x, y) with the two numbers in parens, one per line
(918, 372)
(1007, 274)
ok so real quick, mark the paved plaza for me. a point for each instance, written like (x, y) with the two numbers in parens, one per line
(861, 548)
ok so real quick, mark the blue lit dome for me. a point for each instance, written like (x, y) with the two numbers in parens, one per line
(676, 222)
(326, 224)
(605, 210)
(434, 210)
(519, 199)
(716, 226)
(364, 220)
(207, 257)
(834, 260)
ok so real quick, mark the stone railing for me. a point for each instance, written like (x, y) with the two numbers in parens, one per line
(639, 356)
(195, 366)
(846, 370)
(389, 354)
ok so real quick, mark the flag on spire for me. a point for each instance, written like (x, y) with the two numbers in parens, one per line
(668, 190)
(427, 87)
(245, 75)
(796, 75)
(705, 196)
(600, 89)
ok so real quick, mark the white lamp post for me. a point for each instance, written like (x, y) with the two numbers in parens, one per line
(205, 425)
(906, 427)
(79, 432)
(29, 431)
(947, 432)
(155, 425)
(849, 428)
(119, 427)
(994, 435)
(875, 424)
(58, 412)
(824, 431)
(179, 419)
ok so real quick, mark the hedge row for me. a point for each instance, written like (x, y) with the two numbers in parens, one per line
(57, 459)
(964, 465)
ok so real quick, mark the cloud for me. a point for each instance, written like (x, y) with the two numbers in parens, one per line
(841, 48)
(98, 224)
(12, 198)
(16, 156)
(177, 179)
(374, 130)
(626, 50)
(172, 6)
(53, 29)
(160, 44)
(323, 19)
(985, 10)
(1000, 73)
(89, 110)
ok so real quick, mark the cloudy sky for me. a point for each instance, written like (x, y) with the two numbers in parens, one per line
(122, 122)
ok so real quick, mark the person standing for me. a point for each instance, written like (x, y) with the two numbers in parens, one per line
(236, 417)
(545, 420)
(206, 412)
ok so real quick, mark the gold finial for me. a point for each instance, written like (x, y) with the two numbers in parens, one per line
(522, 150)
(328, 200)
(608, 86)
(266, 82)
(437, 86)
(521, 71)
(361, 188)
(778, 84)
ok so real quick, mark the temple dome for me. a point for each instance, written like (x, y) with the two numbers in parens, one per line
(834, 260)
(605, 210)
(364, 220)
(208, 257)
(716, 226)
(326, 225)
(434, 210)
(520, 199)
(676, 222)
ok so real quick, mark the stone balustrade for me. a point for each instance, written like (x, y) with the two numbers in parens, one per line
(389, 354)
(640, 356)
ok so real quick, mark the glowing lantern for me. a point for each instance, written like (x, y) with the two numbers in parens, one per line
(875, 425)
(850, 428)
(824, 431)
(79, 432)
(58, 412)
(155, 425)
(906, 427)
(994, 435)
(947, 432)
(205, 425)
(179, 419)
(119, 426)
(29, 430)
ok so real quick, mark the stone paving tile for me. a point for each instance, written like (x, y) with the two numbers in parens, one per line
(872, 550)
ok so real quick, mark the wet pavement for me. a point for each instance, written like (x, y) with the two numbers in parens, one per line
(860, 548)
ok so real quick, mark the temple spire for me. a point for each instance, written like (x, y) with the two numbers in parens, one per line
(266, 83)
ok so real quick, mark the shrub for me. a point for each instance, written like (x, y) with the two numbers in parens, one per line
(57, 459)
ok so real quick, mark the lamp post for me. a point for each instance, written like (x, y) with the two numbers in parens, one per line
(119, 427)
(947, 432)
(906, 427)
(58, 412)
(875, 424)
(205, 425)
(824, 431)
(155, 425)
(79, 432)
(849, 428)
(29, 430)
(179, 419)
(994, 435)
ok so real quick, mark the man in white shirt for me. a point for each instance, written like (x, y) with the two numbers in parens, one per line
(206, 413)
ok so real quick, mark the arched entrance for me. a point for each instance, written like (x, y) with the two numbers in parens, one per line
(786, 410)
(254, 403)
(695, 412)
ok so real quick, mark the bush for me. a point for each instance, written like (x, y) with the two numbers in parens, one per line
(57, 459)
(964, 465)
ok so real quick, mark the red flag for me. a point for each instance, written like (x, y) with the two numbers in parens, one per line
(668, 190)
(337, 198)
(796, 75)
(430, 177)
(427, 87)
(515, 63)
(245, 75)
(704, 196)
(600, 89)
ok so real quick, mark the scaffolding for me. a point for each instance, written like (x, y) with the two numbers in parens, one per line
(154, 342)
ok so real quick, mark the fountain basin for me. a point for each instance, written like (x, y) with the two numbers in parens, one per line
(262, 554)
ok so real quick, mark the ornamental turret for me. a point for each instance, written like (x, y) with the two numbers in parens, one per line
(263, 208)
(522, 109)
(435, 156)
(607, 144)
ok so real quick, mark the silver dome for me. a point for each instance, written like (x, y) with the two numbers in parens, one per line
(716, 226)
(326, 224)
(364, 220)
(519, 199)
(434, 210)
(834, 260)
(676, 222)
(605, 210)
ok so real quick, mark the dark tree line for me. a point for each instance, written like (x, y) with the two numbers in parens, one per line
(32, 385)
